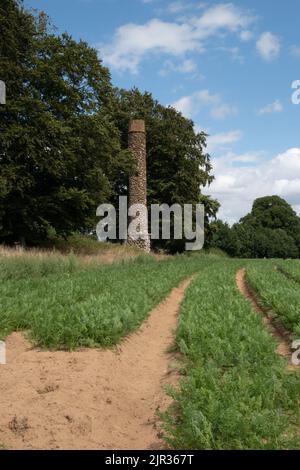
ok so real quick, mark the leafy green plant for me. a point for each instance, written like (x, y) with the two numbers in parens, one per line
(96, 306)
(291, 269)
(36, 265)
(237, 393)
(277, 292)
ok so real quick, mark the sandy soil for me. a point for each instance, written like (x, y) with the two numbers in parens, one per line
(277, 331)
(90, 399)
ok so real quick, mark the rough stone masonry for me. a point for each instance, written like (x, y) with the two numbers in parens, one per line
(138, 182)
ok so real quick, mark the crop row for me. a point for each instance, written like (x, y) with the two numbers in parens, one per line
(277, 292)
(291, 268)
(236, 393)
(93, 307)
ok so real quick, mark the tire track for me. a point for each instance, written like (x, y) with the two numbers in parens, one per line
(281, 335)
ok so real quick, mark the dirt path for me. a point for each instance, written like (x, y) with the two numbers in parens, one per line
(278, 333)
(90, 399)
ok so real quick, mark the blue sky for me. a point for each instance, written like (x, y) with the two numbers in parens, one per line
(227, 65)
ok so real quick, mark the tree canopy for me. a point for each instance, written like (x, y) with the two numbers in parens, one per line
(63, 139)
(59, 148)
(270, 230)
(178, 165)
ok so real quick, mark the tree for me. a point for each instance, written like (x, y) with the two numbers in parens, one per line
(270, 230)
(59, 148)
(273, 212)
(177, 163)
(274, 243)
(223, 237)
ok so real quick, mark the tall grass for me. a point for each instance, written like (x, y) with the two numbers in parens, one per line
(75, 253)
(36, 264)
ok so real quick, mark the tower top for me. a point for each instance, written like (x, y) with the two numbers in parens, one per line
(137, 125)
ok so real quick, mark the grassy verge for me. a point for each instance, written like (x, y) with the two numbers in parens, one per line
(277, 292)
(95, 307)
(237, 393)
(74, 254)
(36, 265)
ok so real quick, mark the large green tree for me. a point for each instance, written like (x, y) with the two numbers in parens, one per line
(273, 212)
(270, 230)
(178, 165)
(60, 150)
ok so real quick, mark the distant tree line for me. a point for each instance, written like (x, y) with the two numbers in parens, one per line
(63, 136)
(271, 230)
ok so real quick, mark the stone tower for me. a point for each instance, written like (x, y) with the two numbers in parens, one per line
(138, 182)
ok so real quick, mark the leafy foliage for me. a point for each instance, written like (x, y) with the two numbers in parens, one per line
(278, 292)
(237, 393)
(271, 230)
(59, 149)
(177, 162)
(69, 307)
(62, 130)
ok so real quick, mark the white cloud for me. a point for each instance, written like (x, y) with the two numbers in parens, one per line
(221, 111)
(187, 66)
(177, 7)
(248, 157)
(132, 42)
(236, 187)
(198, 129)
(246, 35)
(180, 6)
(190, 105)
(275, 107)
(221, 17)
(234, 53)
(268, 46)
(219, 141)
(295, 51)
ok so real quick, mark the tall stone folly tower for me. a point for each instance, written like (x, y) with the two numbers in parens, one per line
(138, 182)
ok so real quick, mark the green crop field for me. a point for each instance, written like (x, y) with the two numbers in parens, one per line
(277, 287)
(65, 305)
(235, 391)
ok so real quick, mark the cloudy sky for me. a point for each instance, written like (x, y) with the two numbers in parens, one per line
(228, 66)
